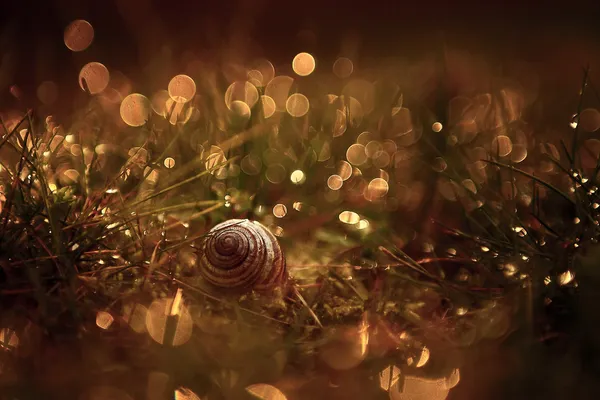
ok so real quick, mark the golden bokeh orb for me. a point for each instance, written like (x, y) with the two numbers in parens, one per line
(356, 154)
(78, 35)
(241, 91)
(268, 106)
(94, 76)
(280, 210)
(303, 64)
(135, 109)
(263, 391)
(298, 177)
(297, 105)
(335, 182)
(182, 88)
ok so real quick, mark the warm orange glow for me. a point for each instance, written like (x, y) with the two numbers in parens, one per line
(417, 388)
(104, 319)
(186, 394)
(135, 316)
(176, 305)
(389, 377)
(565, 278)
(297, 105)
(268, 106)
(8, 339)
(265, 392)
(280, 210)
(303, 64)
(135, 109)
(356, 154)
(182, 88)
(335, 182)
(169, 162)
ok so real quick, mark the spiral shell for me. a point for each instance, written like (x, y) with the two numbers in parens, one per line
(242, 254)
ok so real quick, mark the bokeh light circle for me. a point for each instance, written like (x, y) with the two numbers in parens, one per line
(78, 35)
(104, 319)
(349, 217)
(303, 64)
(268, 106)
(335, 182)
(241, 91)
(169, 162)
(240, 112)
(343, 67)
(182, 88)
(377, 188)
(135, 109)
(186, 394)
(356, 154)
(298, 177)
(297, 105)
(263, 391)
(95, 76)
(344, 170)
(280, 210)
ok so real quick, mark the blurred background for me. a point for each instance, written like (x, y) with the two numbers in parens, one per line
(449, 48)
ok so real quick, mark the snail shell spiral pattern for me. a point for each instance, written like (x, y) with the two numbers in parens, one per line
(242, 254)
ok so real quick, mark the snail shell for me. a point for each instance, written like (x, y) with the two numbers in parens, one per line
(242, 254)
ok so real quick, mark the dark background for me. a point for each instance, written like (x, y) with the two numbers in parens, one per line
(559, 40)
